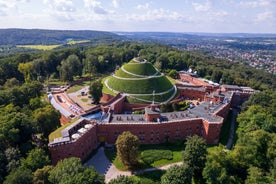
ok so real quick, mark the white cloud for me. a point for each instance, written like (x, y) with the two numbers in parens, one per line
(61, 5)
(61, 10)
(95, 6)
(265, 16)
(202, 7)
(255, 4)
(157, 15)
(143, 6)
(7, 5)
(116, 3)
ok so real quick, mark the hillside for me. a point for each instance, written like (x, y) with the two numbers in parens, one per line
(48, 37)
(139, 79)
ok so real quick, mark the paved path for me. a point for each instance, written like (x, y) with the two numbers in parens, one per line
(104, 166)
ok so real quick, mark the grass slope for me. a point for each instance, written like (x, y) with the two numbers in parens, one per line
(140, 68)
(145, 86)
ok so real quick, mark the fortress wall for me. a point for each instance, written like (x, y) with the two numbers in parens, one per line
(212, 131)
(129, 107)
(152, 133)
(106, 97)
(80, 147)
(192, 94)
(63, 120)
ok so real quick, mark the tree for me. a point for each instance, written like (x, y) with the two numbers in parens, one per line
(13, 158)
(36, 159)
(178, 175)
(70, 67)
(222, 167)
(123, 179)
(71, 171)
(41, 176)
(20, 175)
(96, 90)
(173, 74)
(195, 153)
(3, 164)
(27, 70)
(256, 176)
(46, 120)
(127, 146)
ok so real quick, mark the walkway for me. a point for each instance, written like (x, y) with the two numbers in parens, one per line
(104, 166)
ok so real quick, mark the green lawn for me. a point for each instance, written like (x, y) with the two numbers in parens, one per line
(78, 87)
(175, 149)
(140, 68)
(146, 86)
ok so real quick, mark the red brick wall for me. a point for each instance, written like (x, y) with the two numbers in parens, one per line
(63, 120)
(152, 133)
(106, 97)
(80, 148)
(212, 132)
(192, 94)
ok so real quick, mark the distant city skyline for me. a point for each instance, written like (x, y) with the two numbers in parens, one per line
(210, 16)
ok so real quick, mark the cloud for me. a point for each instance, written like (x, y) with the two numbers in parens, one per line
(7, 5)
(143, 6)
(255, 4)
(202, 7)
(61, 5)
(61, 10)
(116, 3)
(265, 16)
(95, 6)
(157, 15)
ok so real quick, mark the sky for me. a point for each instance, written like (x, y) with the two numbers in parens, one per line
(211, 16)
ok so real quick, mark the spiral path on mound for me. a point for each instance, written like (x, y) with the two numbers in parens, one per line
(134, 95)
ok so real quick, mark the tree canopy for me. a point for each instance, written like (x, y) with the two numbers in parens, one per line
(127, 146)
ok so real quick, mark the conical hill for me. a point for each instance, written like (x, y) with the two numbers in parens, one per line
(141, 82)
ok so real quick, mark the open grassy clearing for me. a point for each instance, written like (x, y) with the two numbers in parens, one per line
(73, 42)
(78, 87)
(39, 47)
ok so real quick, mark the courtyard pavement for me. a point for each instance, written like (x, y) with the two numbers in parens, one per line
(104, 166)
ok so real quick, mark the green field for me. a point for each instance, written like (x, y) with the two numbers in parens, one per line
(50, 47)
(39, 47)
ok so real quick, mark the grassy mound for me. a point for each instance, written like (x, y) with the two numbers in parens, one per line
(141, 79)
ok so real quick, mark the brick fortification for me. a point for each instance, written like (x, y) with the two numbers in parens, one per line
(205, 120)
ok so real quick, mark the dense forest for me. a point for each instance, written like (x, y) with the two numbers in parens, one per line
(27, 118)
(47, 37)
